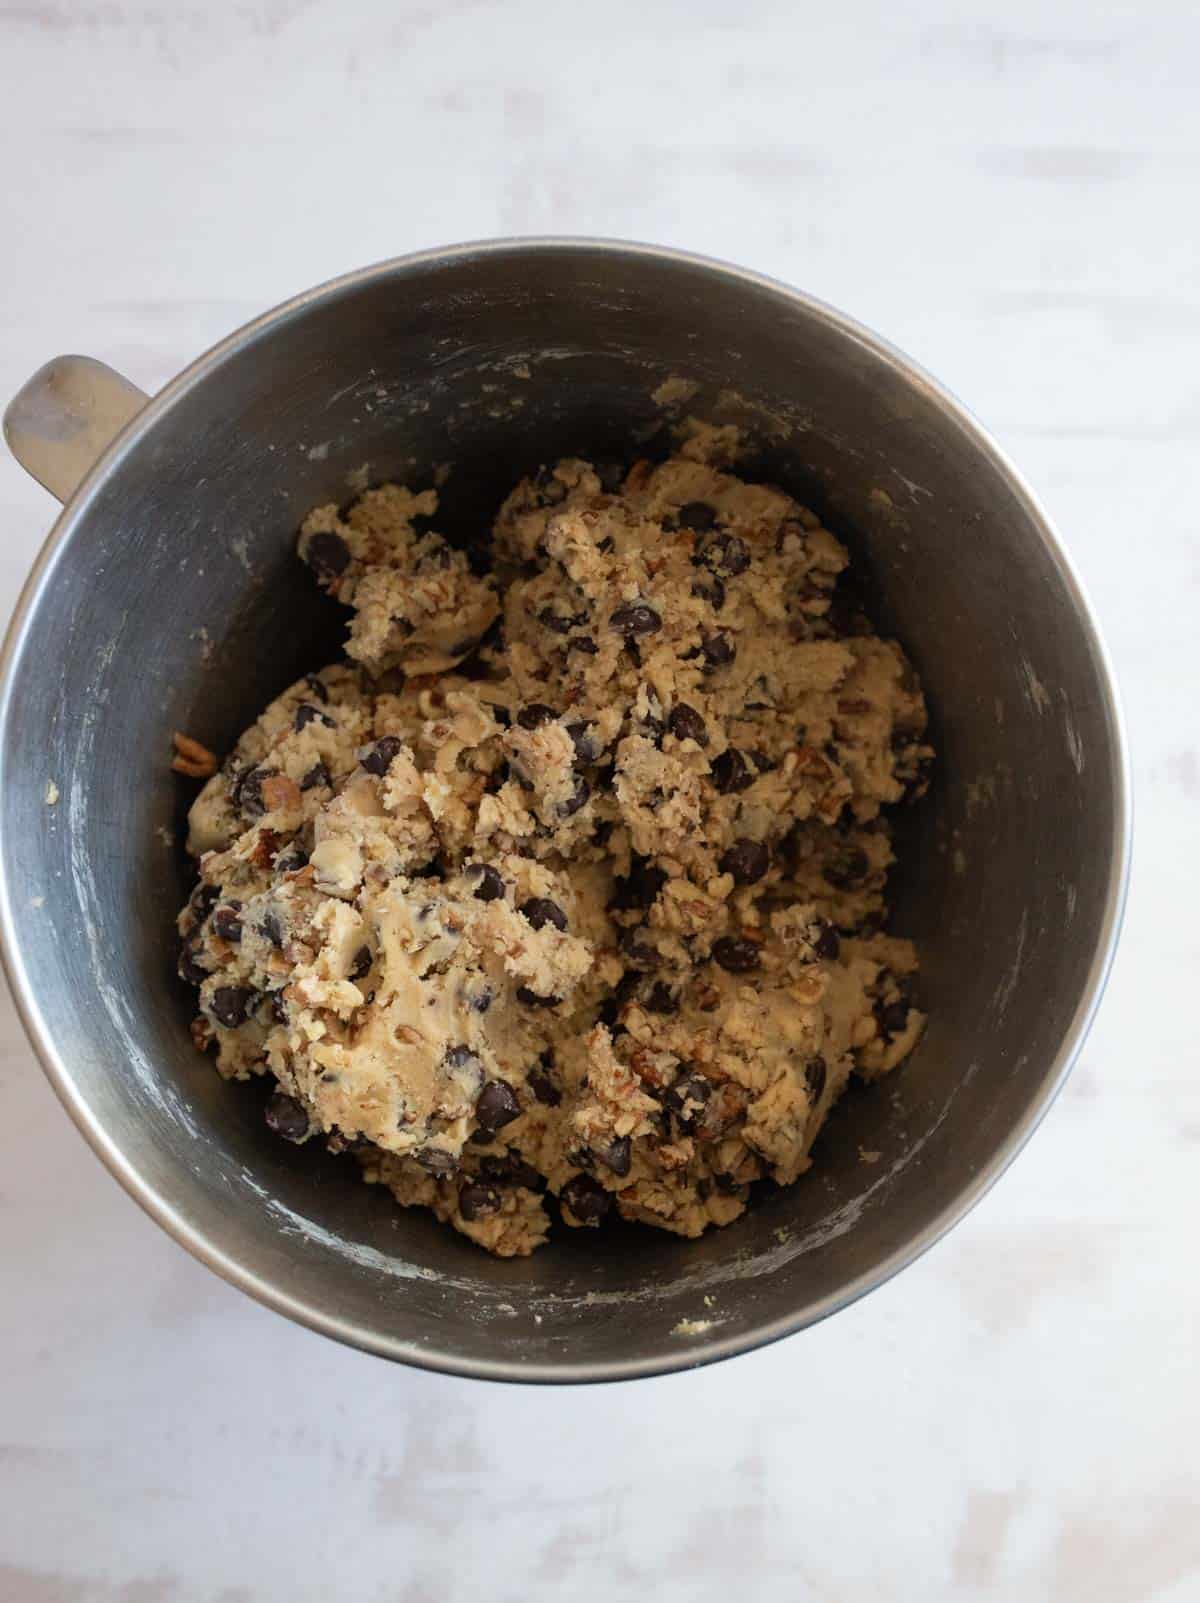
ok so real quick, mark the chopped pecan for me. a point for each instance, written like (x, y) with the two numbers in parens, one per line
(638, 475)
(727, 1103)
(809, 761)
(809, 986)
(266, 848)
(191, 758)
(279, 793)
(653, 1068)
(707, 998)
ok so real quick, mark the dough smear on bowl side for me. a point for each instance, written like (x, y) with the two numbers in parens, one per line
(564, 893)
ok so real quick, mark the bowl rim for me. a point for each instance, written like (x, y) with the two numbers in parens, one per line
(702, 1351)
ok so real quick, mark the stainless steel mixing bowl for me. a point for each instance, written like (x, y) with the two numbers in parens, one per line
(168, 597)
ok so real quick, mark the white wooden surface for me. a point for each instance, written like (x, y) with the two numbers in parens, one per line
(1009, 192)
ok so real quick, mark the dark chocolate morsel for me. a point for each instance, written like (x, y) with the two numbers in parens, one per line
(287, 1117)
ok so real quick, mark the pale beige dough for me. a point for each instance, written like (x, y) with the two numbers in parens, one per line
(564, 894)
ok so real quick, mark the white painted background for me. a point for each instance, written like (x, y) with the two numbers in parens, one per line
(1010, 193)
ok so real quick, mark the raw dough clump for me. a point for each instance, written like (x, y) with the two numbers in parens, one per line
(564, 894)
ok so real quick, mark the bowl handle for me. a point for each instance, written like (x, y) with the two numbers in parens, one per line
(65, 417)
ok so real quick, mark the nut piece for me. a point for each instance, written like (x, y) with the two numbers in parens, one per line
(280, 793)
(192, 759)
(202, 1033)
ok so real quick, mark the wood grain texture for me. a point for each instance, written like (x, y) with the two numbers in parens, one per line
(1009, 193)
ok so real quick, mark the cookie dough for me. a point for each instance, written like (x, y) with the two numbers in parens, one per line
(563, 895)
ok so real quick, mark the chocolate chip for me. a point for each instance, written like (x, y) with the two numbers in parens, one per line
(815, 1075)
(635, 951)
(640, 888)
(747, 861)
(279, 1011)
(535, 999)
(586, 742)
(617, 1155)
(688, 1098)
(202, 901)
(306, 713)
(317, 686)
(477, 1199)
(509, 1168)
(696, 515)
(247, 793)
(586, 1199)
(609, 1014)
(291, 861)
(231, 1004)
(437, 1161)
(491, 886)
(577, 799)
(560, 623)
(362, 963)
(761, 761)
(652, 727)
(540, 911)
(685, 723)
(497, 1105)
(227, 924)
(327, 554)
(725, 1106)
(848, 869)
(711, 590)
(731, 772)
(480, 1001)
(541, 1083)
(718, 649)
(661, 999)
(318, 774)
(460, 1057)
(583, 643)
(826, 941)
(636, 619)
(500, 715)
(189, 968)
(535, 715)
(893, 1018)
(604, 778)
(727, 554)
(520, 1173)
(287, 1117)
(377, 759)
(737, 955)
(272, 929)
